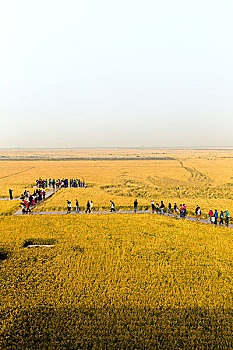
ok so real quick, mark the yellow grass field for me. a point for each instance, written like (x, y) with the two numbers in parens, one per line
(9, 207)
(115, 282)
(193, 177)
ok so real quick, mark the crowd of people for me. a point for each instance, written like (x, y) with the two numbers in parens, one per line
(59, 183)
(178, 211)
(222, 216)
(89, 206)
(31, 199)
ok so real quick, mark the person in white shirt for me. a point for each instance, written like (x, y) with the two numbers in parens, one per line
(112, 206)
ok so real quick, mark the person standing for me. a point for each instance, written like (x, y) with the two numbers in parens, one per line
(216, 217)
(181, 210)
(88, 207)
(198, 211)
(221, 218)
(169, 208)
(11, 193)
(211, 215)
(184, 210)
(227, 217)
(176, 210)
(27, 207)
(112, 207)
(68, 206)
(77, 206)
(152, 205)
(162, 207)
(135, 205)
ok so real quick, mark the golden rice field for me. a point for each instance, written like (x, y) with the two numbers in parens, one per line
(118, 281)
(193, 177)
(115, 282)
(9, 207)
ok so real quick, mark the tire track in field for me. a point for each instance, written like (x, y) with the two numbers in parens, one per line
(196, 174)
(19, 172)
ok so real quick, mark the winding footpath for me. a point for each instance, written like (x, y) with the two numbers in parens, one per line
(52, 191)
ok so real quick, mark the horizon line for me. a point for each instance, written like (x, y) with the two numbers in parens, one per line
(116, 148)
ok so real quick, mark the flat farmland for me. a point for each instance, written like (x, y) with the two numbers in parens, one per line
(201, 178)
(117, 281)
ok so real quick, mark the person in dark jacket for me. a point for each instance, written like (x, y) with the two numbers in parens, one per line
(11, 193)
(88, 207)
(77, 206)
(169, 208)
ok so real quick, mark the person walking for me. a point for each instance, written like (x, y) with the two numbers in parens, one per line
(152, 205)
(169, 208)
(112, 207)
(198, 210)
(184, 210)
(162, 207)
(11, 193)
(221, 218)
(216, 217)
(181, 210)
(91, 206)
(135, 205)
(77, 206)
(68, 207)
(28, 207)
(88, 207)
(211, 215)
(227, 217)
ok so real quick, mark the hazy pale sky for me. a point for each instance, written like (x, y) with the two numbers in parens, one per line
(116, 73)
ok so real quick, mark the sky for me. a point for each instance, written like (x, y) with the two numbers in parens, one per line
(123, 73)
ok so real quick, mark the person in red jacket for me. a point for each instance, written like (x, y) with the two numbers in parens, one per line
(211, 214)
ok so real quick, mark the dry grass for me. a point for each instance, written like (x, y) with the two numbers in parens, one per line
(116, 282)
